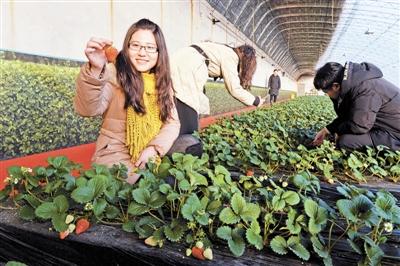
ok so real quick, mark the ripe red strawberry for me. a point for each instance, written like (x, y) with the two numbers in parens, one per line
(111, 53)
(250, 172)
(81, 226)
(198, 253)
(64, 234)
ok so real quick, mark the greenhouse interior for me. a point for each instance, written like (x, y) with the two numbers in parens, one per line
(200, 132)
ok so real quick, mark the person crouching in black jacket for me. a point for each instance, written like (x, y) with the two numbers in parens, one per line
(367, 106)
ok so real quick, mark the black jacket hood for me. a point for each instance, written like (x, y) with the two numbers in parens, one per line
(355, 74)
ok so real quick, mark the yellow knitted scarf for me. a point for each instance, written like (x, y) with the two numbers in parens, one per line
(142, 128)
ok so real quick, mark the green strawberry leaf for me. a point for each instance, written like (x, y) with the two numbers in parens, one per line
(61, 203)
(197, 179)
(137, 209)
(46, 210)
(253, 235)
(99, 206)
(250, 212)
(26, 213)
(191, 206)
(297, 248)
(224, 232)
(129, 226)
(238, 203)
(58, 221)
(83, 194)
(237, 244)
(157, 200)
(214, 206)
(184, 185)
(141, 195)
(278, 245)
(320, 249)
(112, 212)
(174, 233)
(291, 197)
(278, 203)
(228, 217)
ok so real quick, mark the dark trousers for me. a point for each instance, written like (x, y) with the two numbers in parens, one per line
(373, 138)
(188, 117)
(354, 142)
(186, 143)
(272, 98)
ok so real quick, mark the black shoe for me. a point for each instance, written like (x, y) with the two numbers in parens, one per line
(195, 150)
(187, 144)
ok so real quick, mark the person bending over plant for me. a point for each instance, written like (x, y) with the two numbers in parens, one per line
(367, 106)
(134, 95)
(192, 66)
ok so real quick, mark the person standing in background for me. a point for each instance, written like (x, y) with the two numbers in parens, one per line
(274, 85)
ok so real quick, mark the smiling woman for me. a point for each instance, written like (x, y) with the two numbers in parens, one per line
(134, 96)
(143, 59)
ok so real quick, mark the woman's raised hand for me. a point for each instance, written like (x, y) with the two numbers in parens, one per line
(95, 53)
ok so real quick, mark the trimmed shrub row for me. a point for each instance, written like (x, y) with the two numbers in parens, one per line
(36, 110)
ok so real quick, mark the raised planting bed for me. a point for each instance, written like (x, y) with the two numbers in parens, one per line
(184, 200)
(33, 244)
(294, 203)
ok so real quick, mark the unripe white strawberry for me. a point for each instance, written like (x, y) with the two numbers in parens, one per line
(199, 244)
(69, 219)
(208, 254)
(71, 228)
(151, 241)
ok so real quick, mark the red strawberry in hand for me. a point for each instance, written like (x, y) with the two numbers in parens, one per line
(111, 53)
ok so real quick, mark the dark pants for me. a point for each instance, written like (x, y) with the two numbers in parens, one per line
(373, 138)
(272, 98)
(354, 142)
(188, 117)
(186, 143)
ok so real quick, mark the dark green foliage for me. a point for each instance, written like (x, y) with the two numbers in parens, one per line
(37, 113)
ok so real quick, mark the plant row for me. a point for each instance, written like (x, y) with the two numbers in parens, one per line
(186, 199)
(278, 140)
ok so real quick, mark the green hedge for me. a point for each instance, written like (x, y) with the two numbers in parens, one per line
(36, 109)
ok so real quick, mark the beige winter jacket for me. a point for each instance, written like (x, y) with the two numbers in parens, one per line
(105, 97)
(190, 73)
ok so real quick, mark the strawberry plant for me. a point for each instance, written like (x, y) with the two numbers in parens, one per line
(184, 199)
(277, 140)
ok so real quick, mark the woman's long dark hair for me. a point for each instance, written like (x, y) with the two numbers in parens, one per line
(131, 79)
(247, 64)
